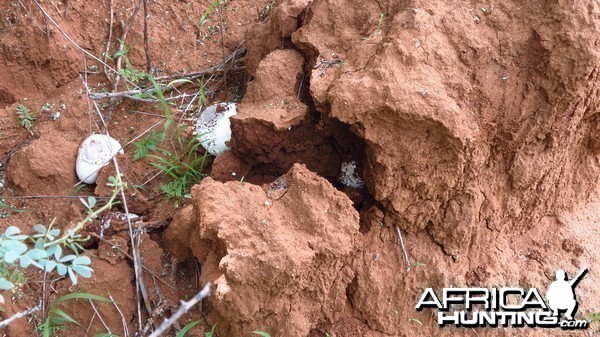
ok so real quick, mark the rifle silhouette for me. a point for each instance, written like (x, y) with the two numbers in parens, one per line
(573, 282)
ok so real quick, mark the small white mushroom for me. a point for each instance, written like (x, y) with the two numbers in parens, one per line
(95, 152)
(214, 128)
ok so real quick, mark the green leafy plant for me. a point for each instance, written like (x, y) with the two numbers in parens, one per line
(3, 205)
(129, 72)
(184, 164)
(263, 13)
(56, 317)
(206, 14)
(186, 328)
(185, 170)
(147, 144)
(594, 317)
(261, 333)
(47, 251)
(26, 117)
(210, 333)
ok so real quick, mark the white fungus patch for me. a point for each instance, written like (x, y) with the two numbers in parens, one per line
(214, 128)
(349, 176)
(95, 152)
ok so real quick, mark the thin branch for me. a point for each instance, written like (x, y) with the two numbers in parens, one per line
(123, 321)
(184, 308)
(146, 47)
(108, 41)
(53, 197)
(18, 315)
(403, 246)
(130, 94)
(99, 316)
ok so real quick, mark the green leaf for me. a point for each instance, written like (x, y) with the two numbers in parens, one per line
(12, 209)
(82, 296)
(84, 271)
(40, 229)
(63, 315)
(260, 333)
(91, 202)
(50, 265)
(12, 230)
(14, 246)
(81, 260)
(61, 269)
(36, 254)
(5, 284)
(68, 258)
(11, 257)
(187, 328)
(72, 276)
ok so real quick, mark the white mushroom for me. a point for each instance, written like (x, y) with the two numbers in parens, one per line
(95, 152)
(214, 128)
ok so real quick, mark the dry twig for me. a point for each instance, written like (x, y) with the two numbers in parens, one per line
(19, 315)
(184, 308)
(403, 246)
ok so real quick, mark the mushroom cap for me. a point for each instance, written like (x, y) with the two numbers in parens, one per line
(95, 152)
(214, 128)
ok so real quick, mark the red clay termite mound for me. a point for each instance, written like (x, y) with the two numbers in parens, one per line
(279, 255)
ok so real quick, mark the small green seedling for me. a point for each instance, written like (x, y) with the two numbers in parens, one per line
(56, 317)
(26, 117)
(261, 333)
(187, 328)
(147, 144)
(210, 333)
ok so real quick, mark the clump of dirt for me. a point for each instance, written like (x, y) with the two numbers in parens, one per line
(44, 166)
(279, 256)
(274, 129)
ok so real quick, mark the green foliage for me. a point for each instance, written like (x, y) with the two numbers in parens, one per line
(185, 170)
(187, 328)
(260, 333)
(26, 117)
(46, 253)
(56, 317)
(183, 164)
(147, 144)
(210, 333)
(206, 14)
(130, 73)
(9, 208)
(263, 13)
(594, 317)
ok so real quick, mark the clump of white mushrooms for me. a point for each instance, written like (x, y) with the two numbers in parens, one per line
(95, 152)
(214, 128)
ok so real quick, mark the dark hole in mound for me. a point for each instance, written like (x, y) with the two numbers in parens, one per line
(6, 98)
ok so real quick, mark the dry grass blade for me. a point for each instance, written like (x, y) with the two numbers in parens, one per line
(184, 308)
